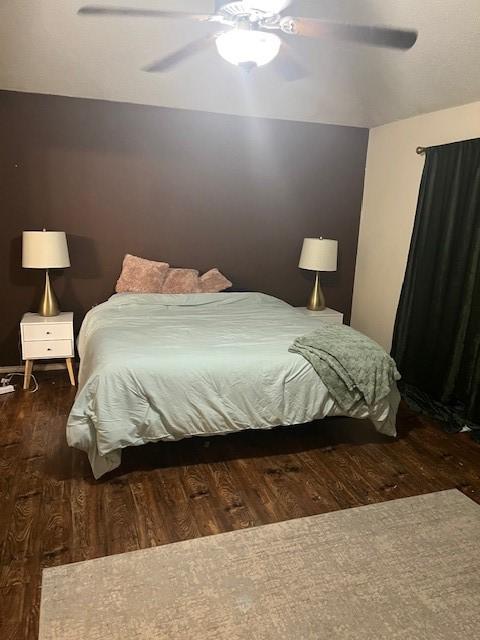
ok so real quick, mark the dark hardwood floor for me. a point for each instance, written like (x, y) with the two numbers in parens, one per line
(53, 512)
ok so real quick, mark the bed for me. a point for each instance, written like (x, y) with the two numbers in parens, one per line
(165, 367)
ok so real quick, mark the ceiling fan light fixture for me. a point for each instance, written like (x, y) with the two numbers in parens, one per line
(243, 46)
(267, 6)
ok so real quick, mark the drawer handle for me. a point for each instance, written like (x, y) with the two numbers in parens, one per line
(48, 333)
(48, 349)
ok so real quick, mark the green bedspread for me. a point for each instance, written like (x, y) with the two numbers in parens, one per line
(353, 367)
(159, 367)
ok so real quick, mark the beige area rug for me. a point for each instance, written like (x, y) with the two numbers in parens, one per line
(406, 569)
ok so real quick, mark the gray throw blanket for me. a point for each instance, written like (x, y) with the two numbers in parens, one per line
(352, 367)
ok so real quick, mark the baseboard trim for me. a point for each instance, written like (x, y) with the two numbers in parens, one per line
(20, 368)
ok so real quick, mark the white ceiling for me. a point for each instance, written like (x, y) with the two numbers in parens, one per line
(45, 47)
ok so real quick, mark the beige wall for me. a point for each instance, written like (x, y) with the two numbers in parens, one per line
(392, 181)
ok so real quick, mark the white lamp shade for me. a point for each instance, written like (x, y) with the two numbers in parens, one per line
(45, 250)
(319, 254)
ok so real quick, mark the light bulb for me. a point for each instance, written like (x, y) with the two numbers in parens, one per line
(243, 46)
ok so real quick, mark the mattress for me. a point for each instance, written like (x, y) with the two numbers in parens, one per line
(165, 367)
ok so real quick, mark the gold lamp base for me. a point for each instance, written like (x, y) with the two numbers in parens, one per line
(316, 301)
(48, 304)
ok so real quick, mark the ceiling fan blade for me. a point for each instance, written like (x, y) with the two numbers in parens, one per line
(93, 10)
(287, 65)
(178, 56)
(371, 35)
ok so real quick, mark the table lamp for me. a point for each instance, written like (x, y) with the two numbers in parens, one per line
(318, 254)
(46, 250)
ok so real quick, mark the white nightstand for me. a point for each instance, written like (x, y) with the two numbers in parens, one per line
(327, 315)
(46, 338)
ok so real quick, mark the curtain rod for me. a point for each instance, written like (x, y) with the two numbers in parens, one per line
(422, 150)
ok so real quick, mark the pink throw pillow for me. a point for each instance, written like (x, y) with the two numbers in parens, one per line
(213, 282)
(141, 276)
(181, 281)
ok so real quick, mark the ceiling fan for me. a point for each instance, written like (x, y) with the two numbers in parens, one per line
(247, 35)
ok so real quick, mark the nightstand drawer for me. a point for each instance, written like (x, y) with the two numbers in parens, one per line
(47, 349)
(46, 331)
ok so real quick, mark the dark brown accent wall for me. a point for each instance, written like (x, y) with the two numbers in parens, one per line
(195, 189)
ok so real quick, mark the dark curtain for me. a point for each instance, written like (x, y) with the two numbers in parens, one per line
(436, 340)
